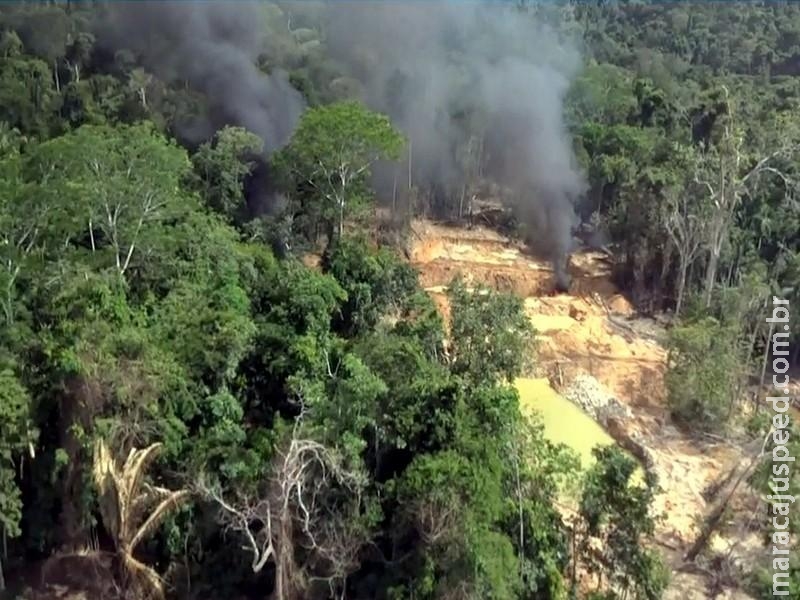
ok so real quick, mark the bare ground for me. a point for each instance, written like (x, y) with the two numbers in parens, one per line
(594, 330)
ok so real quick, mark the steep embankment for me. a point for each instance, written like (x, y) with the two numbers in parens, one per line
(589, 334)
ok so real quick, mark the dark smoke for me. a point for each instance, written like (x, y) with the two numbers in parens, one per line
(447, 73)
(443, 69)
(214, 46)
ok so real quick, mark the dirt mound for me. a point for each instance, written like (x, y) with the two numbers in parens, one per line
(503, 278)
(579, 332)
(577, 335)
(483, 256)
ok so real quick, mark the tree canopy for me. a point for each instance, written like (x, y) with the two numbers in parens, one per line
(225, 415)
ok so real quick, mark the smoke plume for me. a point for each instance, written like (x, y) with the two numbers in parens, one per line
(448, 71)
(214, 47)
(477, 87)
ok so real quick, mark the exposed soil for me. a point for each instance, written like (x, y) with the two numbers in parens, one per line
(591, 330)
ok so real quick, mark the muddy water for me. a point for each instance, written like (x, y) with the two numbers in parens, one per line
(563, 421)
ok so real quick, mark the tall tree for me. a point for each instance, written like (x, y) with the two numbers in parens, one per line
(728, 170)
(327, 163)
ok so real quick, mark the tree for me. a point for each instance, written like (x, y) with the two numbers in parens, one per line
(132, 510)
(685, 222)
(725, 173)
(702, 373)
(378, 285)
(306, 497)
(616, 513)
(26, 94)
(327, 163)
(454, 505)
(222, 166)
(16, 441)
(108, 189)
(491, 337)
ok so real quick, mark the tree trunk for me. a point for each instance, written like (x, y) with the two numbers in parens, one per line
(711, 522)
(711, 275)
(409, 163)
(751, 347)
(681, 286)
(394, 194)
(75, 420)
(666, 261)
(284, 560)
(341, 218)
(330, 227)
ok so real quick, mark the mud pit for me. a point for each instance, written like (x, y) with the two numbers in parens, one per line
(591, 330)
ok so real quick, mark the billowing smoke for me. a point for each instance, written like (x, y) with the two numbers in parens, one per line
(214, 47)
(449, 72)
(478, 88)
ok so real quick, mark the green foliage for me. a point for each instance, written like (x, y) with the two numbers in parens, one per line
(104, 194)
(702, 374)
(617, 513)
(16, 443)
(26, 93)
(327, 163)
(222, 165)
(761, 582)
(453, 503)
(768, 471)
(377, 284)
(491, 337)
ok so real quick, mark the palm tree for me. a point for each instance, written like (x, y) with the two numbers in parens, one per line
(132, 510)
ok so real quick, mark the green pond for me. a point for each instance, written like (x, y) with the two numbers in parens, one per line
(563, 421)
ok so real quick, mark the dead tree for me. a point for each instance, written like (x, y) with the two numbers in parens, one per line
(300, 503)
(720, 173)
(734, 479)
(132, 511)
(686, 227)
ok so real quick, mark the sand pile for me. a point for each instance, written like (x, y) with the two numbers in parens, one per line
(483, 256)
(577, 335)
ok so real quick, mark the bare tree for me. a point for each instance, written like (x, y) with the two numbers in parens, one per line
(686, 227)
(138, 82)
(738, 474)
(309, 499)
(720, 172)
(435, 518)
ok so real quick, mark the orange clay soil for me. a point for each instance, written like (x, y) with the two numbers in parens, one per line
(592, 330)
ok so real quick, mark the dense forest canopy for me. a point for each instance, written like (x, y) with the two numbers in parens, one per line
(182, 393)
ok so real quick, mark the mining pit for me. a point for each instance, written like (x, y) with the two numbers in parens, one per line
(595, 353)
